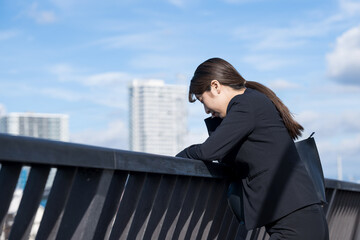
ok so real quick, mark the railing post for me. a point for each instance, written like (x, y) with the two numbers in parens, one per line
(9, 175)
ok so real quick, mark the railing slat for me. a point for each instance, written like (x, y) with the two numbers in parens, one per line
(354, 214)
(356, 234)
(262, 235)
(199, 209)
(232, 228)
(55, 205)
(187, 209)
(225, 224)
(84, 205)
(127, 206)
(241, 232)
(221, 215)
(30, 201)
(176, 202)
(330, 194)
(212, 204)
(111, 205)
(160, 207)
(342, 219)
(88, 225)
(9, 175)
(144, 206)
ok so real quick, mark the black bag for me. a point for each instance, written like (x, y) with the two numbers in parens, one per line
(309, 155)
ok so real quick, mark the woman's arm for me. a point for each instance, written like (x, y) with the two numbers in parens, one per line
(236, 126)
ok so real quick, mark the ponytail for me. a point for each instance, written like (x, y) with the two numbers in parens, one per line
(293, 127)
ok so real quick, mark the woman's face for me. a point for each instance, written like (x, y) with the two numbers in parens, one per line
(213, 102)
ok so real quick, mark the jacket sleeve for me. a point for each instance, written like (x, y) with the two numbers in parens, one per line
(212, 123)
(234, 128)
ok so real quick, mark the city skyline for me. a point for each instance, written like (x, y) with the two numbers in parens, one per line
(57, 59)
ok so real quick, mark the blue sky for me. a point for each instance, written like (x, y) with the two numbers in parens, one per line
(77, 58)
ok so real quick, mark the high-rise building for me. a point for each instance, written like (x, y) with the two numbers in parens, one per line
(48, 126)
(158, 117)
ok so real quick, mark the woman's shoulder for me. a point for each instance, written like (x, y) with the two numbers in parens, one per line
(243, 100)
(250, 93)
(250, 98)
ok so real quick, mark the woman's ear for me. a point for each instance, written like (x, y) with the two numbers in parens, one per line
(215, 84)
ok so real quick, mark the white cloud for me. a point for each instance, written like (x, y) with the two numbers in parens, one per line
(178, 3)
(114, 97)
(243, 1)
(114, 135)
(5, 35)
(61, 69)
(344, 62)
(66, 73)
(265, 62)
(182, 79)
(64, 94)
(154, 40)
(296, 33)
(336, 88)
(281, 84)
(167, 63)
(348, 148)
(16, 89)
(65, 4)
(183, 3)
(40, 16)
(336, 135)
(350, 145)
(275, 38)
(350, 7)
(108, 78)
(107, 89)
(333, 129)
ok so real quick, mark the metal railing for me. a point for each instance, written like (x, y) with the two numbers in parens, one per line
(101, 193)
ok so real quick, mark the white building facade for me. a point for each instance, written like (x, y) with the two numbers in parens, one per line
(40, 125)
(158, 117)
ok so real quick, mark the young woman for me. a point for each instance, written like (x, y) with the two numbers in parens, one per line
(256, 136)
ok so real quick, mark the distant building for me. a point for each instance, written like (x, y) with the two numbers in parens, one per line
(2, 110)
(158, 117)
(48, 126)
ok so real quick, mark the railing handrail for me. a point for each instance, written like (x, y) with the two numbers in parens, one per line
(57, 153)
(342, 185)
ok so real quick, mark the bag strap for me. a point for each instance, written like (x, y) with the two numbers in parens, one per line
(312, 134)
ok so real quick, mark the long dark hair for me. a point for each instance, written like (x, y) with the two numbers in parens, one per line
(226, 74)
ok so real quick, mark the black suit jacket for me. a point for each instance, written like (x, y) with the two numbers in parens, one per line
(253, 138)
